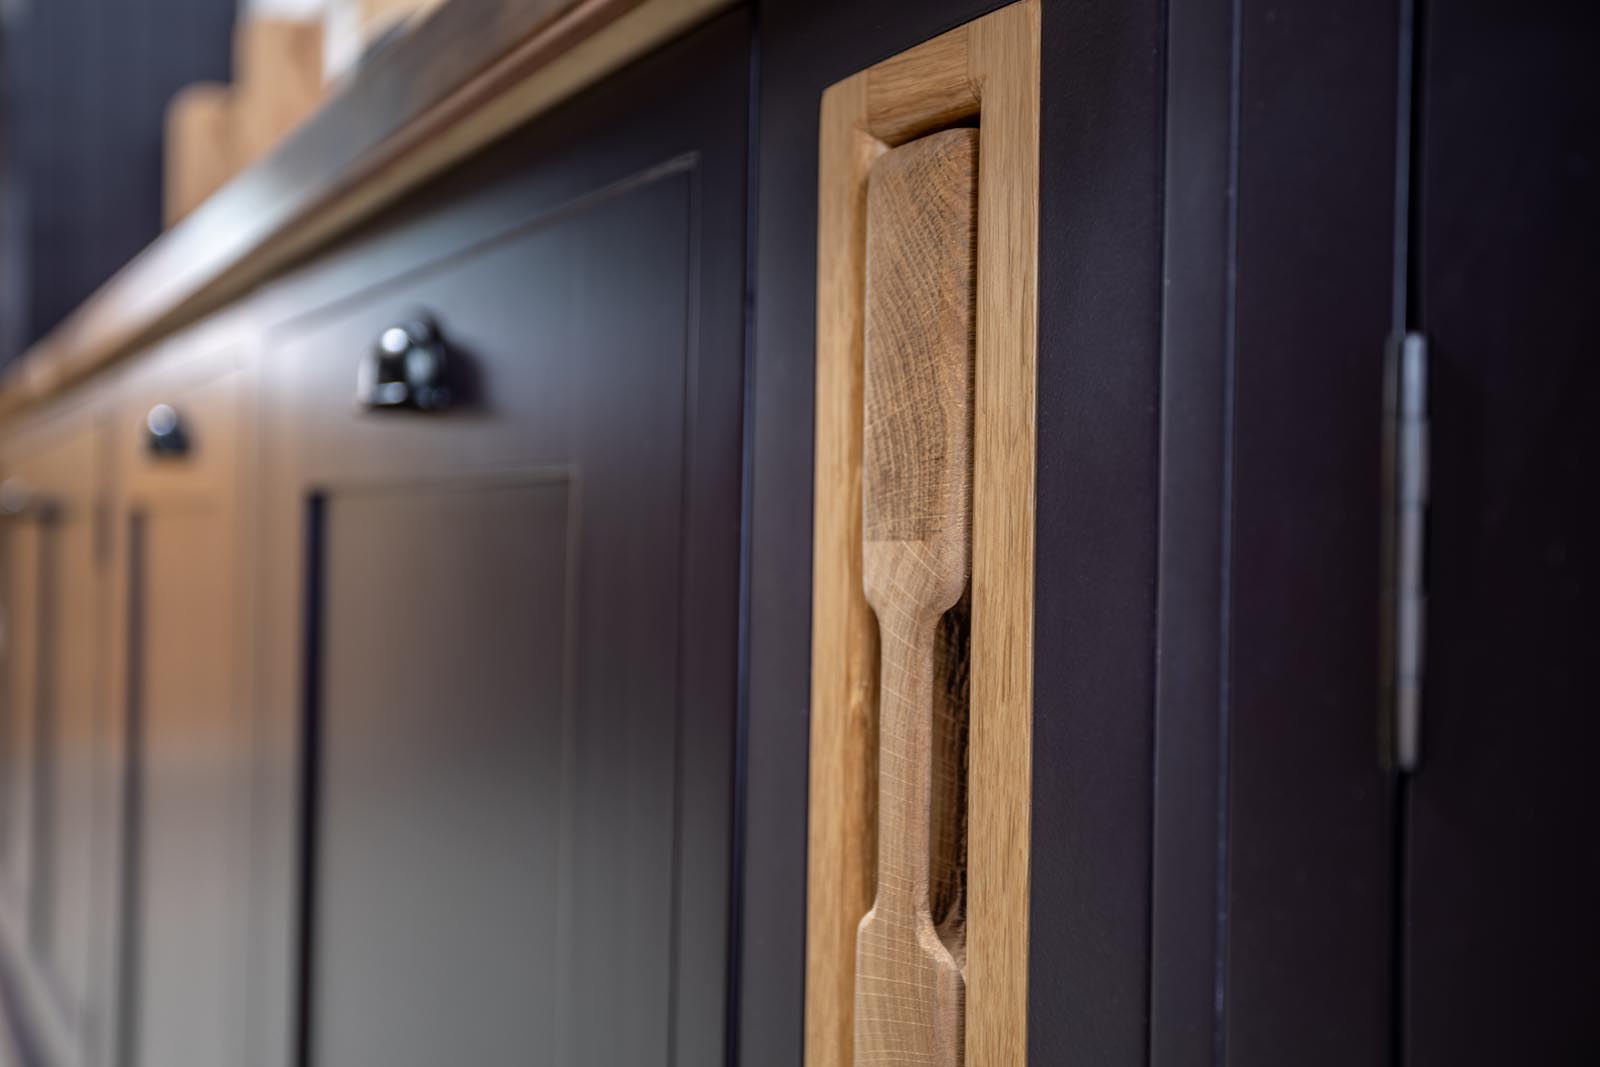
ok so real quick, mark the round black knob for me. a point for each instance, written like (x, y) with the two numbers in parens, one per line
(408, 367)
(164, 431)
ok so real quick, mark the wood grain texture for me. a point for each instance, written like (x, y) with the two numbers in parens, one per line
(841, 836)
(998, 57)
(1005, 65)
(915, 502)
(924, 89)
(470, 72)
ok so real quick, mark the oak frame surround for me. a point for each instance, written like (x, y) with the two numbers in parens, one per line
(988, 71)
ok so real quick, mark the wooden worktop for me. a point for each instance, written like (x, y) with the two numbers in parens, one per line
(470, 72)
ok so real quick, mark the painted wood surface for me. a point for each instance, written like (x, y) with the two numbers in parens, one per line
(180, 540)
(523, 258)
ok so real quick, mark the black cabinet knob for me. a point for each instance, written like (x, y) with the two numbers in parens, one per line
(165, 434)
(407, 369)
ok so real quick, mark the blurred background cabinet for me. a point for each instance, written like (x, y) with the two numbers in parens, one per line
(59, 735)
(182, 445)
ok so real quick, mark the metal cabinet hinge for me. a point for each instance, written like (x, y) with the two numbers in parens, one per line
(1405, 545)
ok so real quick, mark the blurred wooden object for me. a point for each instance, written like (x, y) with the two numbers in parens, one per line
(461, 79)
(379, 16)
(216, 131)
(277, 82)
(199, 146)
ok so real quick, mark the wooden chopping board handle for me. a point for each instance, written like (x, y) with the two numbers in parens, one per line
(916, 554)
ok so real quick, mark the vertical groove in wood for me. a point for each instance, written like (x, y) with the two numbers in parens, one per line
(990, 66)
(947, 892)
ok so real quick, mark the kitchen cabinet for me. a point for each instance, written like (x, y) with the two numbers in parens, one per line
(431, 609)
(58, 723)
(500, 690)
(180, 531)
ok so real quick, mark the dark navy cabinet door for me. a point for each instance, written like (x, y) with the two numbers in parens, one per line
(504, 688)
(1501, 952)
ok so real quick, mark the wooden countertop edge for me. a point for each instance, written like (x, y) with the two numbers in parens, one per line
(473, 71)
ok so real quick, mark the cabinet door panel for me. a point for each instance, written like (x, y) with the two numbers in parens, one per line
(501, 640)
(536, 908)
(180, 663)
(185, 831)
(73, 710)
(57, 717)
(441, 772)
(22, 547)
